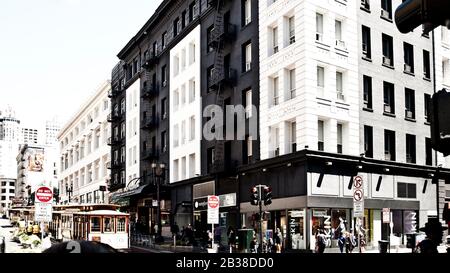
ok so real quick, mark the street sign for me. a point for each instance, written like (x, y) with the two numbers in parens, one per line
(213, 209)
(43, 212)
(358, 182)
(358, 197)
(44, 195)
(386, 215)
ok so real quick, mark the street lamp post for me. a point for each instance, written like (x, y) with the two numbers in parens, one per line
(158, 172)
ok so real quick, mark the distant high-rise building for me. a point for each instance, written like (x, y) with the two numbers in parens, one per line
(52, 128)
(30, 136)
(9, 125)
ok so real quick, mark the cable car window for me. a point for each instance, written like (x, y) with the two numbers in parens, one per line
(108, 224)
(95, 224)
(121, 224)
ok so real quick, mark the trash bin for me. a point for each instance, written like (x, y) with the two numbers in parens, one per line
(2, 244)
(383, 246)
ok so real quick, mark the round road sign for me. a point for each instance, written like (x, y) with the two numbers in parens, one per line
(44, 195)
(358, 195)
(358, 182)
(213, 202)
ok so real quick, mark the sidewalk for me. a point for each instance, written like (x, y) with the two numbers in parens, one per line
(13, 247)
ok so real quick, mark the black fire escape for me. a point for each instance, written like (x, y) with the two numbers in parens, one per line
(221, 76)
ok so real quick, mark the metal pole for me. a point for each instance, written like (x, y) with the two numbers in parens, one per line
(260, 218)
(158, 209)
(434, 91)
(359, 234)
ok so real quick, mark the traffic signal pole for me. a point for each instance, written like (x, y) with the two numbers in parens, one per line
(260, 189)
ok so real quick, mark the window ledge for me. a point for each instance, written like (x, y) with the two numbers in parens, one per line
(365, 9)
(427, 123)
(246, 26)
(389, 114)
(389, 66)
(410, 119)
(366, 58)
(323, 99)
(246, 72)
(409, 73)
(322, 45)
(426, 79)
(368, 109)
(386, 19)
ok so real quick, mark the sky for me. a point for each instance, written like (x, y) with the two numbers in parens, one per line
(54, 54)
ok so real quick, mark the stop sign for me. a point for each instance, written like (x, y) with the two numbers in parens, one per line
(44, 195)
(213, 202)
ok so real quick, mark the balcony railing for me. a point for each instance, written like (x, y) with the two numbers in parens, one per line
(222, 34)
(113, 117)
(149, 154)
(222, 76)
(150, 91)
(151, 60)
(113, 141)
(149, 122)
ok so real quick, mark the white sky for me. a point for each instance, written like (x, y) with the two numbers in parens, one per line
(55, 53)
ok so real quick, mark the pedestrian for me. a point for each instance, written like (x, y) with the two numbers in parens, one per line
(278, 240)
(231, 238)
(218, 235)
(433, 230)
(320, 241)
(350, 242)
(254, 245)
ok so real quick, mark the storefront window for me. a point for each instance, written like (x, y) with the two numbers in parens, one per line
(95, 224)
(321, 219)
(296, 225)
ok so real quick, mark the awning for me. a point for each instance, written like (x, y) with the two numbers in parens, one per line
(118, 197)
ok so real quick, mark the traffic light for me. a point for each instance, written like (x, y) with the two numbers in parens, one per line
(440, 122)
(430, 13)
(254, 198)
(267, 196)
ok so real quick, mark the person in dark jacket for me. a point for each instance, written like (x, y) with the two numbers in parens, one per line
(433, 230)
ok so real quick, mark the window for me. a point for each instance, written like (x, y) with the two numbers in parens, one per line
(122, 130)
(320, 81)
(247, 57)
(164, 141)
(368, 141)
(183, 167)
(389, 98)
(183, 94)
(176, 135)
(365, 5)
(410, 148)
(164, 76)
(247, 12)
(191, 11)
(155, 49)
(210, 75)
(275, 40)
(339, 86)
(319, 27)
(408, 50)
(293, 136)
(95, 221)
(292, 84)
(386, 9)
(164, 108)
(121, 224)
(191, 53)
(338, 34)
(275, 134)
(388, 51)
(183, 59)
(248, 103)
(389, 145)
(406, 190)
(249, 143)
(339, 138)
(176, 100)
(164, 40)
(427, 104)
(176, 65)
(108, 224)
(367, 85)
(320, 131)
(183, 132)
(211, 158)
(191, 90)
(291, 30)
(410, 106)
(366, 43)
(426, 64)
(122, 106)
(428, 152)
(122, 154)
(176, 26)
(192, 128)
(276, 98)
(183, 19)
(209, 38)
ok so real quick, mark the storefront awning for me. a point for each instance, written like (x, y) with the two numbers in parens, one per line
(117, 197)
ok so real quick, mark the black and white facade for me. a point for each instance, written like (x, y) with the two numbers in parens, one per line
(335, 93)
